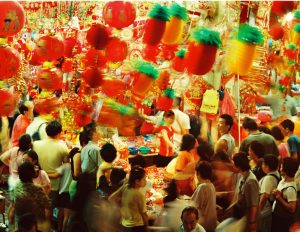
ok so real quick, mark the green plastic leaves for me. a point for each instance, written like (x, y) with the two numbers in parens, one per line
(297, 14)
(146, 68)
(178, 11)
(206, 36)
(181, 53)
(159, 12)
(297, 27)
(249, 34)
(169, 93)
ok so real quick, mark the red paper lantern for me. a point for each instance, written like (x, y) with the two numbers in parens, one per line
(50, 48)
(95, 58)
(9, 62)
(7, 103)
(150, 53)
(116, 50)
(97, 36)
(119, 14)
(11, 18)
(92, 77)
(276, 32)
(82, 116)
(178, 64)
(67, 66)
(35, 59)
(47, 105)
(50, 79)
(164, 103)
(113, 87)
(72, 47)
(168, 51)
(281, 8)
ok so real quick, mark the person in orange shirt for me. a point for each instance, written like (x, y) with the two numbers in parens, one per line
(22, 122)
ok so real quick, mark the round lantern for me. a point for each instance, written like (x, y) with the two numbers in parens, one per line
(97, 36)
(118, 14)
(11, 18)
(113, 87)
(7, 103)
(50, 47)
(116, 50)
(50, 79)
(35, 59)
(67, 66)
(10, 62)
(178, 63)
(82, 115)
(72, 47)
(165, 102)
(95, 58)
(150, 53)
(280, 8)
(92, 77)
(276, 32)
(46, 105)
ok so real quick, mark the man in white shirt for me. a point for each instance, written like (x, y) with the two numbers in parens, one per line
(37, 125)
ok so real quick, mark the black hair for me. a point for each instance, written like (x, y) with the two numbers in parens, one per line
(26, 222)
(171, 191)
(287, 123)
(72, 153)
(205, 151)
(221, 156)
(23, 108)
(25, 142)
(136, 173)
(188, 142)
(34, 156)
(241, 160)
(169, 114)
(250, 124)
(228, 120)
(190, 210)
(117, 175)
(108, 152)
(138, 160)
(257, 148)
(83, 138)
(26, 172)
(264, 129)
(204, 170)
(271, 161)
(290, 166)
(53, 128)
(276, 133)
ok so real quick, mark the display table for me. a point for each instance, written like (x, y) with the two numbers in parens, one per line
(149, 158)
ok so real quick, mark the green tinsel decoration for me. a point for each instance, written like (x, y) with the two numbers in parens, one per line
(297, 27)
(292, 46)
(249, 34)
(159, 12)
(147, 68)
(297, 14)
(204, 35)
(181, 53)
(169, 93)
(125, 110)
(178, 11)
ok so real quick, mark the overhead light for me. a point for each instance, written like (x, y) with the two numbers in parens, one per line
(289, 16)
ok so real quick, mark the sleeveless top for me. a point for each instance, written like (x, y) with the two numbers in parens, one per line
(230, 143)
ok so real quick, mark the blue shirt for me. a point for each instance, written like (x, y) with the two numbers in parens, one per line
(294, 145)
(90, 158)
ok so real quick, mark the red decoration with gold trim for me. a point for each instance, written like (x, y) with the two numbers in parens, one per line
(50, 47)
(116, 50)
(98, 36)
(95, 58)
(72, 47)
(10, 62)
(7, 103)
(50, 78)
(92, 77)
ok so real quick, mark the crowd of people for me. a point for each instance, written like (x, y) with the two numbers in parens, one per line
(55, 185)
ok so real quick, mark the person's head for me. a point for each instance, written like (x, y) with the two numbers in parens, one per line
(189, 218)
(249, 124)
(168, 117)
(188, 142)
(26, 172)
(27, 223)
(137, 177)
(221, 156)
(26, 108)
(93, 133)
(264, 129)
(25, 142)
(22, 108)
(241, 161)
(117, 175)
(53, 129)
(171, 191)
(204, 170)
(287, 126)
(225, 123)
(83, 138)
(108, 152)
(277, 133)
(256, 150)
(289, 167)
(270, 163)
(205, 151)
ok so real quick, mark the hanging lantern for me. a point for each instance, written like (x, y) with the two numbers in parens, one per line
(72, 47)
(156, 25)
(50, 47)
(7, 103)
(281, 8)
(10, 62)
(97, 36)
(95, 58)
(113, 87)
(47, 105)
(67, 66)
(163, 80)
(174, 28)
(291, 52)
(202, 50)
(178, 63)
(92, 77)
(35, 59)
(116, 50)
(82, 115)
(50, 79)
(119, 14)
(296, 34)
(276, 32)
(150, 53)
(165, 102)
(168, 51)
(143, 82)
(12, 18)
(245, 43)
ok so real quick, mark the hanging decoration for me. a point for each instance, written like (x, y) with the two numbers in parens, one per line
(8, 103)
(163, 80)
(98, 36)
(202, 50)
(276, 32)
(150, 53)
(116, 50)
(296, 34)
(50, 78)
(165, 102)
(92, 76)
(50, 48)
(10, 62)
(72, 47)
(113, 87)
(178, 63)
(35, 59)
(156, 24)
(281, 8)
(95, 58)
